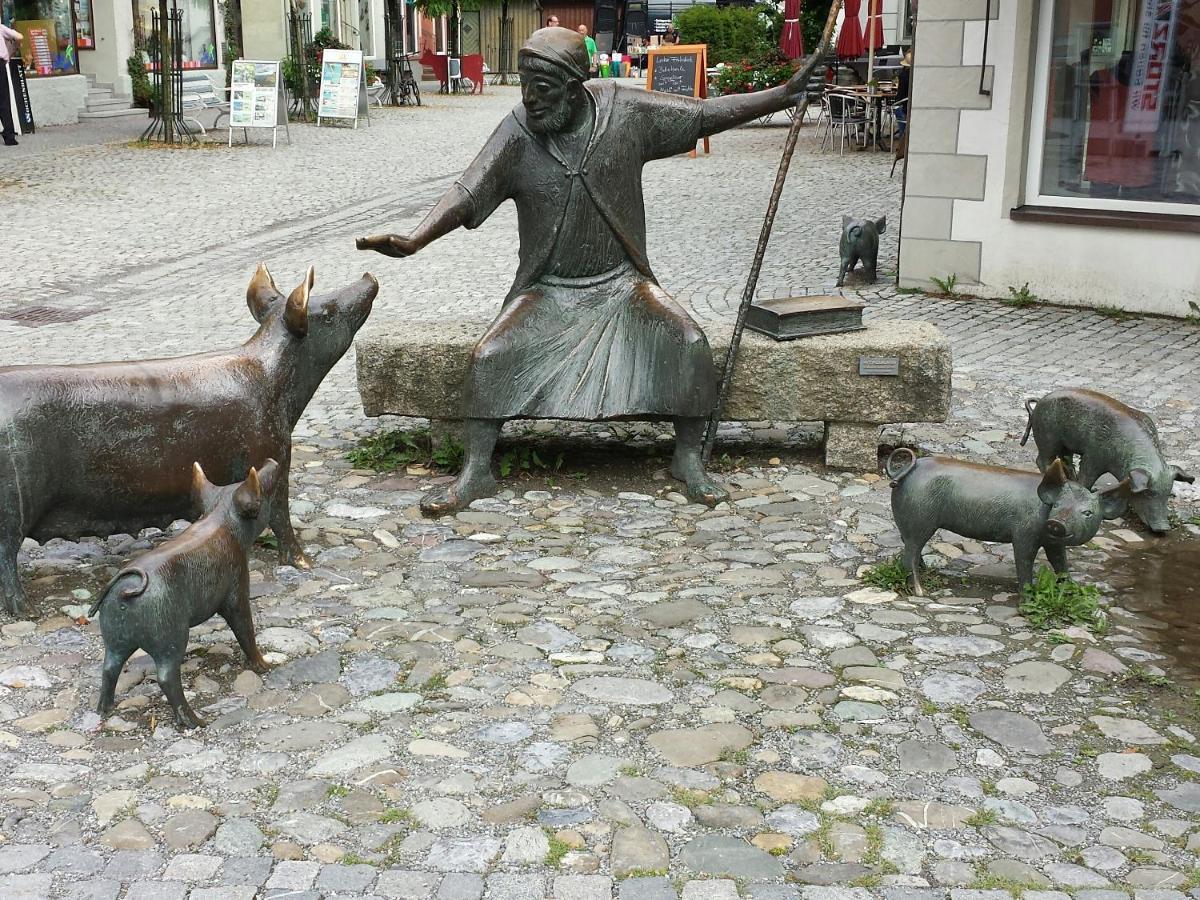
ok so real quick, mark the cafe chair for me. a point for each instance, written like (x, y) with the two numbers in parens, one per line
(844, 113)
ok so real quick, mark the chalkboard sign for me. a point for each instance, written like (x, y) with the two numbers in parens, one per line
(679, 69)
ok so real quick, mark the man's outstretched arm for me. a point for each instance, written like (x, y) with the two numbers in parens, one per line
(721, 113)
(451, 212)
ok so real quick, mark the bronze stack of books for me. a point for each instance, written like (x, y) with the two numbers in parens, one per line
(787, 318)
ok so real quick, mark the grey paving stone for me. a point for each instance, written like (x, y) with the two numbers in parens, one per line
(406, 885)
(128, 865)
(515, 887)
(92, 889)
(346, 878)
(156, 890)
(245, 870)
(639, 888)
(460, 886)
(28, 886)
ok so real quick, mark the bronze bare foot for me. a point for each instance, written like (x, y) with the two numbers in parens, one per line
(702, 487)
(458, 495)
(295, 557)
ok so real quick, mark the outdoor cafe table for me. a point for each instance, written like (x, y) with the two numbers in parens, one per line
(876, 98)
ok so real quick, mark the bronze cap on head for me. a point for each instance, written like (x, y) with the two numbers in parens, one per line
(561, 47)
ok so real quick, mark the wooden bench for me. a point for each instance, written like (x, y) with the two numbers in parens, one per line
(417, 368)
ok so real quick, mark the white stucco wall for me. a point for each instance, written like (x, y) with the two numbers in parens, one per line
(114, 45)
(58, 100)
(1137, 270)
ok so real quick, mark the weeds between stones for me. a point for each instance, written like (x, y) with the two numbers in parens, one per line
(386, 451)
(945, 285)
(1055, 600)
(1020, 297)
(893, 576)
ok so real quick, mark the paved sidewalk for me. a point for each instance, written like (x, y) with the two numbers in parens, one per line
(576, 690)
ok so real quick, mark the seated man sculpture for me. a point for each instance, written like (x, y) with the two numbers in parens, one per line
(586, 332)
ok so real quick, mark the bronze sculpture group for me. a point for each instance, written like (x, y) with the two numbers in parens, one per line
(586, 332)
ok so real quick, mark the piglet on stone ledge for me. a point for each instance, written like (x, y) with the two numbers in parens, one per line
(200, 573)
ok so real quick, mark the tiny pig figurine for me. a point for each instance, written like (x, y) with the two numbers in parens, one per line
(1109, 437)
(991, 503)
(104, 448)
(202, 572)
(860, 240)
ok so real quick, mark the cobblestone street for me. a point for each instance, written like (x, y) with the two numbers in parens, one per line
(586, 688)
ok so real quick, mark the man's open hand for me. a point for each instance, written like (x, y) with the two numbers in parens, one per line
(397, 245)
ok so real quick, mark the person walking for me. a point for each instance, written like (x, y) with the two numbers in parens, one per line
(590, 43)
(671, 36)
(10, 117)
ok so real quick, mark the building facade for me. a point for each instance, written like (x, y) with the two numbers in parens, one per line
(1056, 144)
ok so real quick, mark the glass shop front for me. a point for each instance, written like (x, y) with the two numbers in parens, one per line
(1116, 117)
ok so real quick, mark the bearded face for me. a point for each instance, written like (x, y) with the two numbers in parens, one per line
(551, 98)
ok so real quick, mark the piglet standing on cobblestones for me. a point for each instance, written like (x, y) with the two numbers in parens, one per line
(992, 503)
(201, 573)
(104, 448)
(860, 241)
(1109, 437)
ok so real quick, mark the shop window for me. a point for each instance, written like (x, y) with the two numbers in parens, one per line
(1117, 111)
(48, 27)
(85, 25)
(198, 39)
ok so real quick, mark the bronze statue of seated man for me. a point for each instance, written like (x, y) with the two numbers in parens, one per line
(586, 332)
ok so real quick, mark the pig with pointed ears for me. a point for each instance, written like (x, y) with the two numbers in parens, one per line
(1109, 437)
(991, 503)
(200, 573)
(105, 448)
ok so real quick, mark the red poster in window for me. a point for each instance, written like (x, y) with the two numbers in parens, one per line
(43, 56)
(1151, 65)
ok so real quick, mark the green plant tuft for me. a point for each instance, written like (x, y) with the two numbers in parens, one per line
(945, 285)
(1055, 600)
(1020, 297)
(386, 451)
(558, 849)
(1113, 312)
(526, 459)
(893, 576)
(983, 817)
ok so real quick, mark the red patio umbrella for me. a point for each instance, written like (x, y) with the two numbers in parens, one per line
(874, 35)
(791, 41)
(850, 38)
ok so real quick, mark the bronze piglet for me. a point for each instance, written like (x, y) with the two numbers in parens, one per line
(991, 503)
(1109, 437)
(202, 572)
(104, 448)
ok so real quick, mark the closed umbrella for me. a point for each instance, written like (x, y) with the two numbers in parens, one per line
(850, 38)
(791, 42)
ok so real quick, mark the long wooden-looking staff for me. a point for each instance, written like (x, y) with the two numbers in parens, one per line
(789, 147)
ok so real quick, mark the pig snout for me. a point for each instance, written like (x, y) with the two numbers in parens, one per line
(1152, 511)
(1056, 529)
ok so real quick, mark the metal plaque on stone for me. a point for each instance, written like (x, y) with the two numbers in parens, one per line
(879, 365)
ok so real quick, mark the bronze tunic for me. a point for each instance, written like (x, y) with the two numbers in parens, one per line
(586, 332)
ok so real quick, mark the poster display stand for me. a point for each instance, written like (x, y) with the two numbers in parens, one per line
(343, 93)
(256, 99)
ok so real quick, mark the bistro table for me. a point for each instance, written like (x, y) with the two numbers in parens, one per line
(876, 97)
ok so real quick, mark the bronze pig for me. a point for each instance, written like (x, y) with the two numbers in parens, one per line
(202, 572)
(1109, 437)
(105, 448)
(992, 503)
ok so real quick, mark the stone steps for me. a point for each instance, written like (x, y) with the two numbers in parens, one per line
(102, 103)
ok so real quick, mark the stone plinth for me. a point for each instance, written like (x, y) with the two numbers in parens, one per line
(417, 369)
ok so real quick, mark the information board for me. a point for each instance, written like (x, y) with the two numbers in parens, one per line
(679, 69)
(254, 94)
(341, 85)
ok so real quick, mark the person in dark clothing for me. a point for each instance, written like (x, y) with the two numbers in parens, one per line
(903, 90)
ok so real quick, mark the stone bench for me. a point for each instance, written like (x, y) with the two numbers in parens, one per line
(416, 368)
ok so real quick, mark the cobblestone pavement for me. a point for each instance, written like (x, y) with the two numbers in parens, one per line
(577, 690)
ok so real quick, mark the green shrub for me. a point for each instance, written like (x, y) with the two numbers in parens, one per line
(142, 91)
(732, 33)
(1055, 600)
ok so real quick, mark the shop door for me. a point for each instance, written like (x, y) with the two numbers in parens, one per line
(469, 42)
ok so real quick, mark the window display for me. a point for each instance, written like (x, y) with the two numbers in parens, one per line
(1122, 103)
(49, 29)
(198, 39)
(85, 26)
